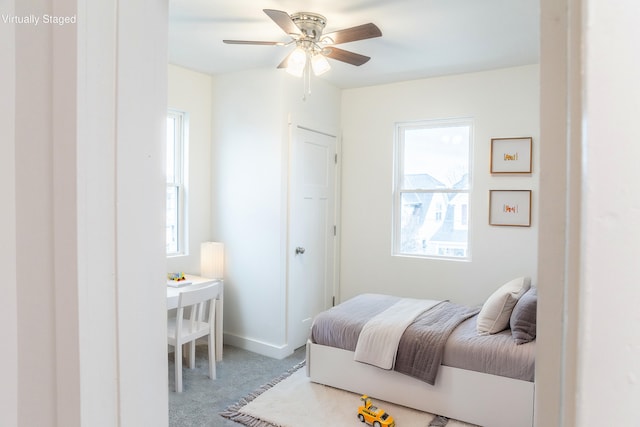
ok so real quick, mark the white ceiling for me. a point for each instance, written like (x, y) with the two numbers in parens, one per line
(420, 38)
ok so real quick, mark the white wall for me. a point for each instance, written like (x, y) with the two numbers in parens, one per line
(609, 295)
(588, 300)
(42, 152)
(9, 314)
(250, 172)
(190, 91)
(141, 101)
(248, 166)
(86, 213)
(503, 103)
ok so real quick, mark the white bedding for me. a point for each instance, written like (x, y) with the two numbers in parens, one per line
(378, 341)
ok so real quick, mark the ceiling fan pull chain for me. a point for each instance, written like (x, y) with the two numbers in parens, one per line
(304, 84)
(306, 81)
(308, 71)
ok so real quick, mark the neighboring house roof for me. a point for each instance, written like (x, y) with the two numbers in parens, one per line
(462, 184)
(420, 181)
(447, 232)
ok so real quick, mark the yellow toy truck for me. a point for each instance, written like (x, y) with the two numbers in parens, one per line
(367, 413)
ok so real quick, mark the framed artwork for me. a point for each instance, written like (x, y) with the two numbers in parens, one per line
(511, 155)
(510, 207)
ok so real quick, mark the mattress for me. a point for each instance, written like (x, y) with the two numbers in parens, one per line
(495, 354)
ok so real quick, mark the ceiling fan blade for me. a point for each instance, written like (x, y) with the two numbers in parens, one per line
(361, 32)
(285, 61)
(283, 20)
(253, 42)
(345, 56)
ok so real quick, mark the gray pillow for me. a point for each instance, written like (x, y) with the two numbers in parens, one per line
(523, 317)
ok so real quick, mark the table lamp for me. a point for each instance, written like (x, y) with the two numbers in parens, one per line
(212, 260)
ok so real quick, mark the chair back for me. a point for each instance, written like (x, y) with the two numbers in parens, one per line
(199, 307)
(199, 302)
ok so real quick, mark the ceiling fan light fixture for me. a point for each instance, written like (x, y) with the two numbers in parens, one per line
(313, 48)
(319, 64)
(297, 62)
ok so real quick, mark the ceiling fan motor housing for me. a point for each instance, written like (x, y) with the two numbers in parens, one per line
(311, 24)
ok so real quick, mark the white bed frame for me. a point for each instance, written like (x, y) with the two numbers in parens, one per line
(469, 396)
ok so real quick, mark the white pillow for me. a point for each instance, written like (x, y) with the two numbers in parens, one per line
(496, 311)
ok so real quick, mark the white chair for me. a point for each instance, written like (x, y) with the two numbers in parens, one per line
(195, 318)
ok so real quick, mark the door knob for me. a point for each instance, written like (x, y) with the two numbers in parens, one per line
(299, 250)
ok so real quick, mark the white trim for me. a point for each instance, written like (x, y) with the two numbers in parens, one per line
(398, 189)
(316, 131)
(181, 178)
(256, 346)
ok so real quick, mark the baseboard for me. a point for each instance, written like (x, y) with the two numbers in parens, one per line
(260, 347)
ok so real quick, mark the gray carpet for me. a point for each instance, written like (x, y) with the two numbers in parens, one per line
(240, 373)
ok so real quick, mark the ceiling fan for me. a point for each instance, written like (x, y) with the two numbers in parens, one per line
(305, 30)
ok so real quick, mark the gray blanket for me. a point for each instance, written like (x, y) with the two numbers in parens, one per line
(421, 347)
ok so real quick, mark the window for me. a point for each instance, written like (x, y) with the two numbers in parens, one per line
(432, 188)
(176, 189)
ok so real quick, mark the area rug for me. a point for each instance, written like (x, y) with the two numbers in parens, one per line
(292, 400)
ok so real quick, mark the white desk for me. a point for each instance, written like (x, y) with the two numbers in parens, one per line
(196, 282)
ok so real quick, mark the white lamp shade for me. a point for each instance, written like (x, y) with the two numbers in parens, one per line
(212, 260)
(297, 61)
(319, 64)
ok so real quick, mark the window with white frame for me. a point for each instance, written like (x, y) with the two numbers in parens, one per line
(432, 188)
(176, 189)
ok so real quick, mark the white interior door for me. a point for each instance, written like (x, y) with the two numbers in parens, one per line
(311, 230)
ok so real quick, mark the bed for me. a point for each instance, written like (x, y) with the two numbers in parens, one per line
(492, 388)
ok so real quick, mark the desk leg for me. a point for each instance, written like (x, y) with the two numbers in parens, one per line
(219, 329)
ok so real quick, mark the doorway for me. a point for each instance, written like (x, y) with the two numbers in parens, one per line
(312, 229)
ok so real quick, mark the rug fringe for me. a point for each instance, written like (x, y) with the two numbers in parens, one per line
(233, 412)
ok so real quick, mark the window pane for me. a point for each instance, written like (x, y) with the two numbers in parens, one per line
(436, 157)
(171, 149)
(172, 219)
(176, 167)
(434, 224)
